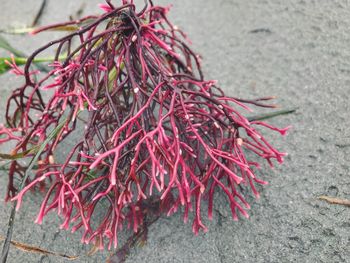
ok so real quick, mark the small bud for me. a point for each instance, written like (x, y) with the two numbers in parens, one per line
(51, 159)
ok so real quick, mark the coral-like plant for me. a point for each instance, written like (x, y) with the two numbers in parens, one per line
(152, 127)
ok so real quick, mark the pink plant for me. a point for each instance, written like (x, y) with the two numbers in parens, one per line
(153, 127)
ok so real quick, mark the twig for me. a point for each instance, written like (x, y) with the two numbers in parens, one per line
(272, 115)
(38, 250)
(78, 13)
(39, 14)
(6, 247)
(334, 200)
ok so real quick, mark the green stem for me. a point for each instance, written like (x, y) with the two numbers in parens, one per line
(4, 67)
(23, 60)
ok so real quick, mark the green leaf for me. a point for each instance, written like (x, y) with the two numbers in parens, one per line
(4, 44)
(4, 67)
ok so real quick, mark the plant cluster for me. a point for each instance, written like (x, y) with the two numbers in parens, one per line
(149, 127)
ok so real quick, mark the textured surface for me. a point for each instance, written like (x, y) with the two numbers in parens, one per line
(296, 50)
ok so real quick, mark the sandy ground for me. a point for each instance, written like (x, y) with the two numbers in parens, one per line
(296, 50)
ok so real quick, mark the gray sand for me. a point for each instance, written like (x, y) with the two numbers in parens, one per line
(296, 50)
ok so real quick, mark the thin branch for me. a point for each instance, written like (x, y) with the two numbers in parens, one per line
(39, 14)
(334, 200)
(272, 115)
(38, 250)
